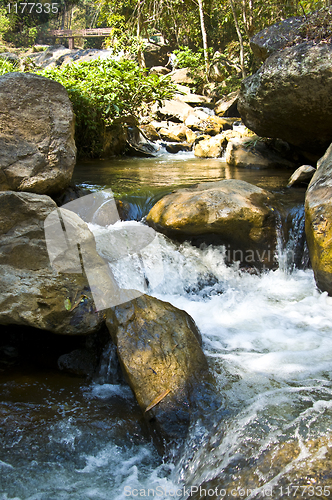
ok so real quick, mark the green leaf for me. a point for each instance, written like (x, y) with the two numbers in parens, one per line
(67, 304)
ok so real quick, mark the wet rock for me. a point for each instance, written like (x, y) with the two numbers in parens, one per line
(150, 132)
(301, 176)
(227, 106)
(79, 362)
(275, 37)
(176, 148)
(273, 473)
(252, 152)
(290, 97)
(37, 147)
(318, 225)
(159, 348)
(139, 145)
(228, 212)
(212, 147)
(32, 293)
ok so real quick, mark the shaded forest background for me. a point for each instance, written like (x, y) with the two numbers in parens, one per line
(201, 27)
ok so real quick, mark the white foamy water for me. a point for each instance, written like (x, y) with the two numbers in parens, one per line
(268, 340)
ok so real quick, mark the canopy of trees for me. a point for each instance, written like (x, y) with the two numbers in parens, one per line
(202, 26)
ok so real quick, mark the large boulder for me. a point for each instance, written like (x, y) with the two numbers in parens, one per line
(318, 222)
(290, 97)
(275, 37)
(37, 147)
(159, 349)
(32, 293)
(229, 212)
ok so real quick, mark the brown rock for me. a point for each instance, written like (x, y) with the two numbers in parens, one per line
(318, 222)
(37, 148)
(227, 106)
(229, 212)
(302, 175)
(251, 152)
(212, 147)
(31, 292)
(159, 348)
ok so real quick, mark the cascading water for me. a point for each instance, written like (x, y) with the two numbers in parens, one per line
(268, 341)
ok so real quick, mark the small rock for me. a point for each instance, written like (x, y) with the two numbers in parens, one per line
(172, 110)
(211, 148)
(168, 135)
(251, 152)
(159, 70)
(182, 76)
(301, 176)
(228, 105)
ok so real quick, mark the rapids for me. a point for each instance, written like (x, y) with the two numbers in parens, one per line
(268, 341)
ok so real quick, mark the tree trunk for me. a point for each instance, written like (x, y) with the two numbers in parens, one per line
(140, 54)
(204, 36)
(243, 70)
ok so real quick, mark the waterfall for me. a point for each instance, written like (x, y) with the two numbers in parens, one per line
(292, 249)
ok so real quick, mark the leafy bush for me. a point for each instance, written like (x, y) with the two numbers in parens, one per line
(104, 90)
(7, 66)
(187, 58)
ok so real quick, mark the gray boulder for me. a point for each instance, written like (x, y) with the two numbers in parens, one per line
(275, 37)
(290, 97)
(37, 147)
(32, 293)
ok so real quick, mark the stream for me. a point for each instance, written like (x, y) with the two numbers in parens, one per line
(267, 338)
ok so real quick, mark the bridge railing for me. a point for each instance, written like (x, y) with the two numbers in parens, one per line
(81, 33)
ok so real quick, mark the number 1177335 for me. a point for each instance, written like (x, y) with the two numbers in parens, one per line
(30, 8)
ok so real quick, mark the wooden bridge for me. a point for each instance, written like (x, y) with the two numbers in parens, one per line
(72, 34)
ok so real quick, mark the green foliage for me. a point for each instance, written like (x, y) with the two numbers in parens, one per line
(7, 66)
(103, 91)
(4, 22)
(187, 58)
